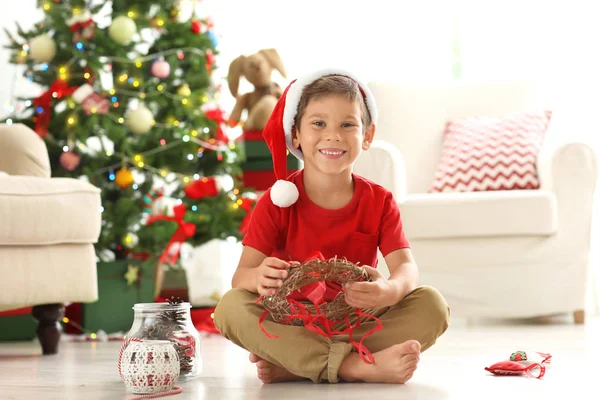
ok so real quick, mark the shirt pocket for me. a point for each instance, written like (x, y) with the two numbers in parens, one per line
(363, 248)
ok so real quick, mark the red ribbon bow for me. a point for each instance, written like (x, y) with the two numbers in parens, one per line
(185, 230)
(318, 293)
(218, 116)
(57, 90)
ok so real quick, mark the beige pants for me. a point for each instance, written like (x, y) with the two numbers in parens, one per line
(423, 315)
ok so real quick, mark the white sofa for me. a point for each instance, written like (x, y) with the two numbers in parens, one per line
(503, 254)
(48, 227)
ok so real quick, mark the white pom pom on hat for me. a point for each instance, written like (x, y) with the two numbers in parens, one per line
(278, 131)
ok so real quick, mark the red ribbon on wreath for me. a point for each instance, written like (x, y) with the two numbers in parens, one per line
(318, 293)
(184, 231)
(57, 90)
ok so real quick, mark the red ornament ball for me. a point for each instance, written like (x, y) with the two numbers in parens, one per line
(69, 160)
(196, 27)
(160, 69)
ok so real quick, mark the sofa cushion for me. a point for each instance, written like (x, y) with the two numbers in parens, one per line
(44, 211)
(491, 153)
(478, 214)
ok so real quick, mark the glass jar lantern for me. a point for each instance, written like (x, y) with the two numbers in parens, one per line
(170, 321)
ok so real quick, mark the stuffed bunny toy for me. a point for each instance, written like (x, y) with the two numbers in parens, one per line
(257, 69)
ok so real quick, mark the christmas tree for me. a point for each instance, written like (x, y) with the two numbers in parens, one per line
(130, 103)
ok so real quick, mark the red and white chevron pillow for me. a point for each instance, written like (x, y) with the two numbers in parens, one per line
(491, 153)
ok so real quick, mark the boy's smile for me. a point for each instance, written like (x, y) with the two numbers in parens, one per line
(332, 153)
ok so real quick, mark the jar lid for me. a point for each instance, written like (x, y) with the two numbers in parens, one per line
(160, 306)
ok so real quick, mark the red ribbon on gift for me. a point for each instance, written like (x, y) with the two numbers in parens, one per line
(318, 293)
(57, 90)
(184, 231)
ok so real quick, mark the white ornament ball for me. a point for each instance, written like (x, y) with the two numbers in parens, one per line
(131, 240)
(122, 30)
(42, 48)
(140, 119)
(284, 193)
(225, 183)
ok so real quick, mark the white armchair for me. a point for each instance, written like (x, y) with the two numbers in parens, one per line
(497, 254)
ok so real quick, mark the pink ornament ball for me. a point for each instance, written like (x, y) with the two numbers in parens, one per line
(161, 69)
(69, 160)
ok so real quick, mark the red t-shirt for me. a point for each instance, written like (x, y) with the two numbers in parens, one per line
(371, 220)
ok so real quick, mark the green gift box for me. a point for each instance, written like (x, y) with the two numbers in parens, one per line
(121, 284)
(17, 328)
(256, 150)
(266, 164)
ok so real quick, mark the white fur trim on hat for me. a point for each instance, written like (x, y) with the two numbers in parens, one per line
(295, 93)
(284, 193)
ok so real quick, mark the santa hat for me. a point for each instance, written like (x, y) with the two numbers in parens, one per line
(278, 131)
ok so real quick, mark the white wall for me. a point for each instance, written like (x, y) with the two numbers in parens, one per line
(25, 13)
(376, 38)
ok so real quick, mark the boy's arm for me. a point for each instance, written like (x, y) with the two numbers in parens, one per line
(246, 272)
(404, 274)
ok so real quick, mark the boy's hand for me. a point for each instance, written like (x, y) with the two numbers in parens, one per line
(378, 293)
(270, 274)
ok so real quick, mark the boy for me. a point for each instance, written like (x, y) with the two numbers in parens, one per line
(326, 120)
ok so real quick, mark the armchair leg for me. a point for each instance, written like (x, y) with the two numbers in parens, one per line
(49, 329)
(579, 316)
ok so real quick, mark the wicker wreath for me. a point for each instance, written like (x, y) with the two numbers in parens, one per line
(332, 270)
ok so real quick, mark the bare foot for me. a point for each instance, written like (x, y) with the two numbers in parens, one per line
(396, 364)
(271, 373)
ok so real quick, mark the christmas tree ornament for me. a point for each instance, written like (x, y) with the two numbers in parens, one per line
(160, 68)
(210, 23)
(140, 120)
(208, 186)
(82, 25)
(132, 274)
(196, 27)
(124, 178)
(176, 10)
(210, 60)
(122, 30)
(213, 38)
(150, 198)
(184, 90)
(69, 160)
(91, 102)
(130, 240)
(42, 48)
(43, 104)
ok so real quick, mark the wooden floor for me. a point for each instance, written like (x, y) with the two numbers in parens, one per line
(452, 369)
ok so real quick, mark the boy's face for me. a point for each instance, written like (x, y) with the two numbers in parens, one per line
(331, 134)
